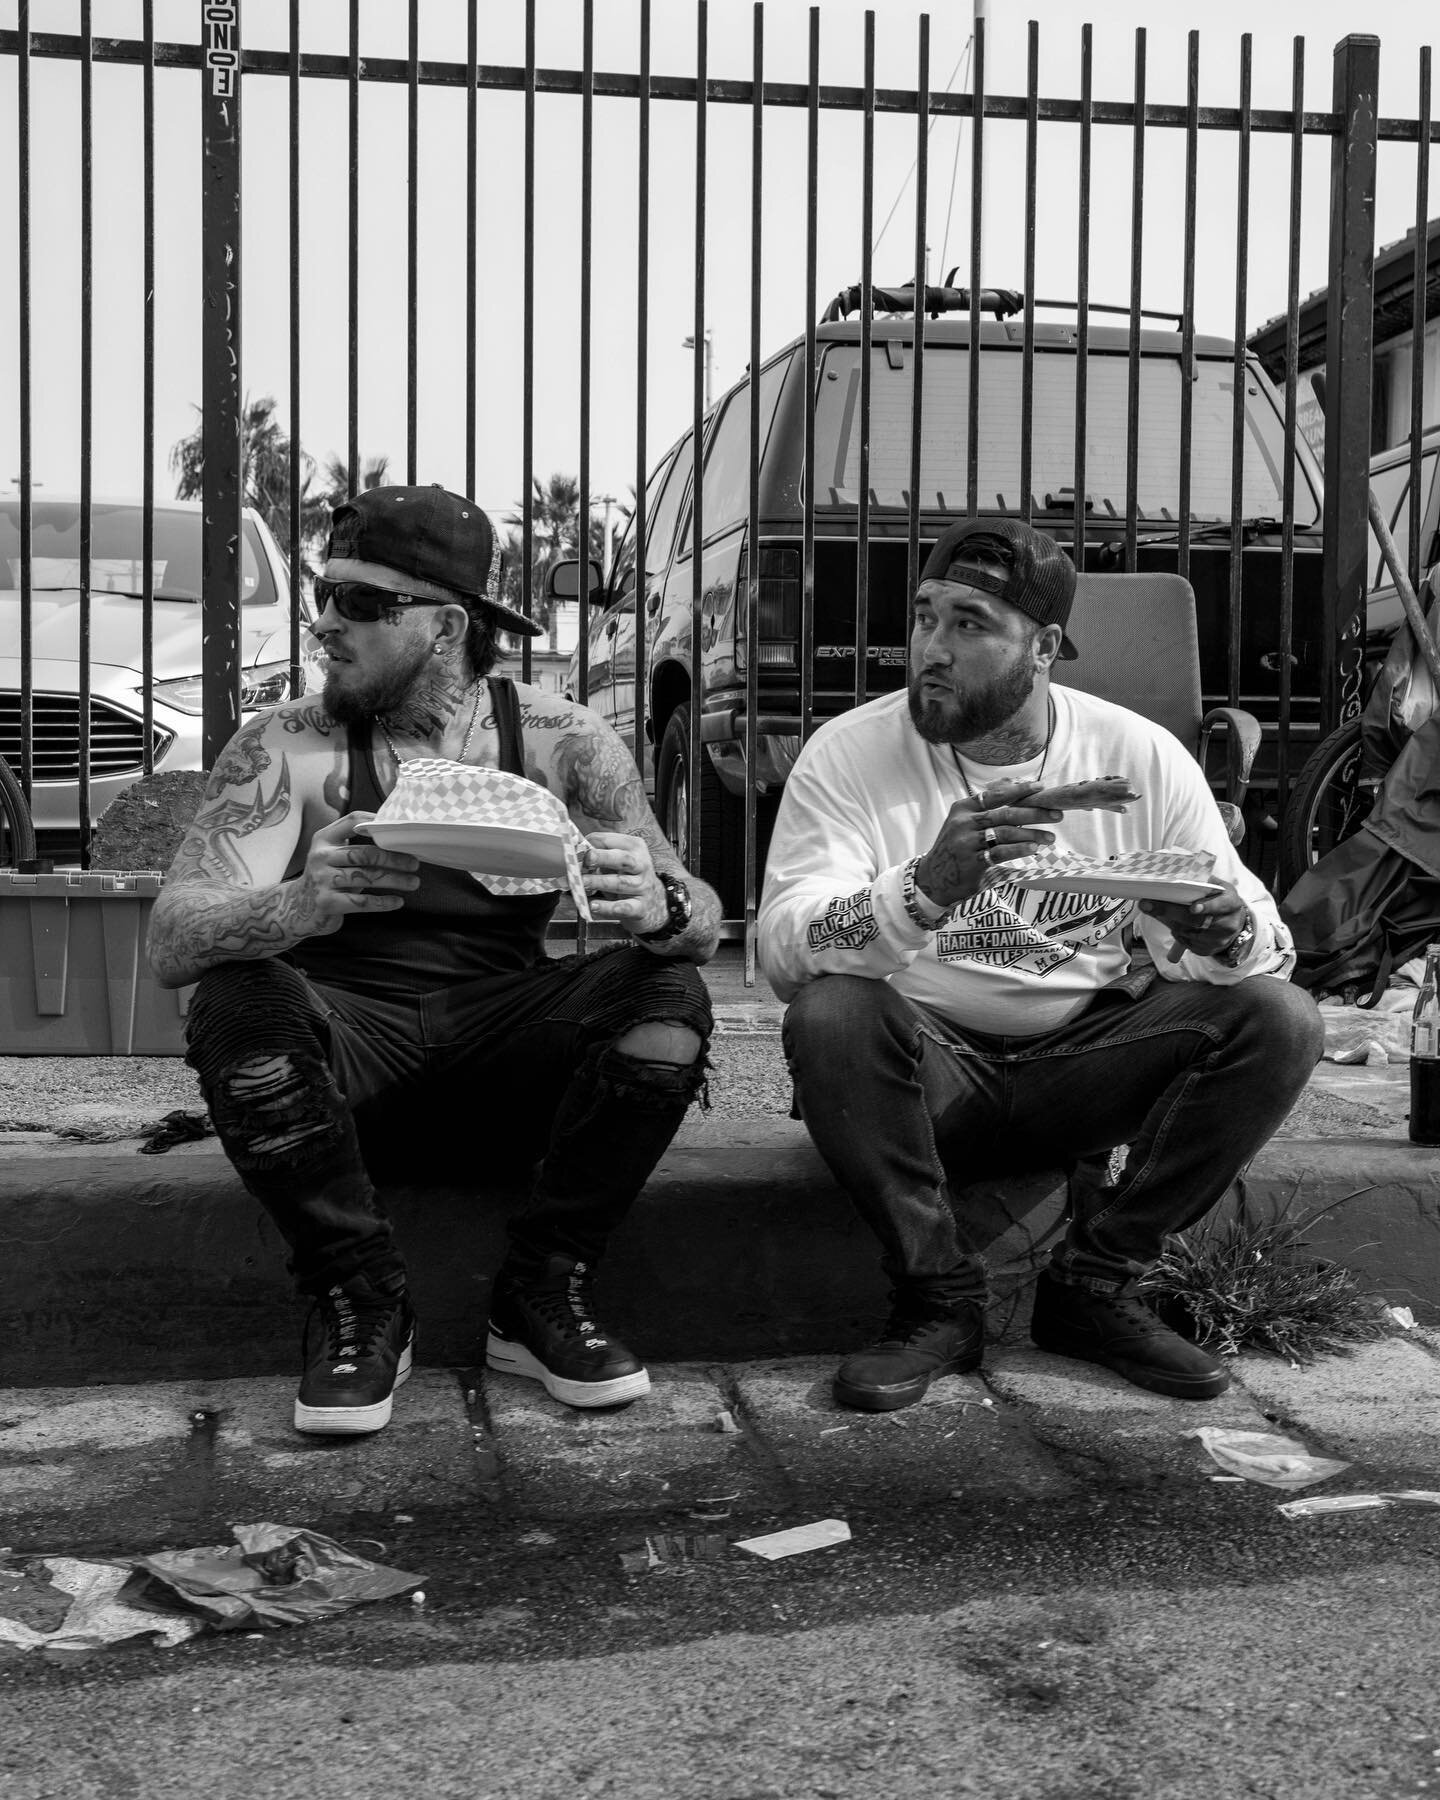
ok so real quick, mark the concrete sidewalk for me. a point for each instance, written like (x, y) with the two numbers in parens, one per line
(153, 1464)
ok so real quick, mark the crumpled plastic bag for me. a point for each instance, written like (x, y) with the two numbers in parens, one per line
(1266, 1456)
(95, 1616)
(1379, 1035)
(271, 1575)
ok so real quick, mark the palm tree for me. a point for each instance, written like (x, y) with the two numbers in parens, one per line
(555, 534)
(337, 485)
(265, 452)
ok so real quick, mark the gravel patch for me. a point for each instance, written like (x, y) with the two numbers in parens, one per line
(100, 1098)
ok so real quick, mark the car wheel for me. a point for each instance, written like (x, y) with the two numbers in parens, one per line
(1331, 799)
(721, 815)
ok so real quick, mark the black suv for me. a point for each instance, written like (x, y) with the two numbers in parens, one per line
(672, 685)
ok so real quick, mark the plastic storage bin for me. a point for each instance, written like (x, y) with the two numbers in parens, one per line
(73, 976)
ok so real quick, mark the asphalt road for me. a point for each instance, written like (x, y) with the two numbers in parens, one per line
(1161, 1639)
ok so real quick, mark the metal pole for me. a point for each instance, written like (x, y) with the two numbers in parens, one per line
(1349, 344)
(220, 390)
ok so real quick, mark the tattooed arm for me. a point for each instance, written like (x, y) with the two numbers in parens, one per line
(595, 775)
(228, 897)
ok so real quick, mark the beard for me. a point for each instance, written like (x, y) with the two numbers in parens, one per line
(977, 712)
(377, 696)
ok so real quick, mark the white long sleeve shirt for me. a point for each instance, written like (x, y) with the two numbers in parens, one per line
(868, 793)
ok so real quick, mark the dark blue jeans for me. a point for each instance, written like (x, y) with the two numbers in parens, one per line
(303, 1079)
(1193, 1078)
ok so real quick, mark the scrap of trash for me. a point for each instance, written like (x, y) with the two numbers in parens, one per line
(1335, 1503)
(672, 1550)
(271, 1575)
(1266, 1456)
(817, 1536)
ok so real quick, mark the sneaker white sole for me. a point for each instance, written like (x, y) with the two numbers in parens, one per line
(508, 1358)
(342, 1421)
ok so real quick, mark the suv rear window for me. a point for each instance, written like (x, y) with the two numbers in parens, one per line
(943, 468)
(116, 546)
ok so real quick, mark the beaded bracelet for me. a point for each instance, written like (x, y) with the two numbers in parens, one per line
(912, 903)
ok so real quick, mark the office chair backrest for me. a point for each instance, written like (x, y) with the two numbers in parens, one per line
(1137, 645)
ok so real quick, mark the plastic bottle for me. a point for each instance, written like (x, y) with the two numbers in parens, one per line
(1425, 1055)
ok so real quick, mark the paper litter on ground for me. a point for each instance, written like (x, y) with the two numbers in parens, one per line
(1266, 1457)
(1336, 1503)
(798, 1538)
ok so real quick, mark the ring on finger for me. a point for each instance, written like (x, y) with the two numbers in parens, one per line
(992, 837)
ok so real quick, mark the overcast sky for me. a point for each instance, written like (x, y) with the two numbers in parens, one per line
(1401, 25)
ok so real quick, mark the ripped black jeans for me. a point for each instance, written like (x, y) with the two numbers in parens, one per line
(300, 1076)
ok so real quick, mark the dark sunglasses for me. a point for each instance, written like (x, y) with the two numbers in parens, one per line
(362, 603)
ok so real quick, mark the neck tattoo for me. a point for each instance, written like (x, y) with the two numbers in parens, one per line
(469, 729)
(1049, 734)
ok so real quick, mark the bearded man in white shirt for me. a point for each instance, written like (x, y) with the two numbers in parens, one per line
(944, 1022)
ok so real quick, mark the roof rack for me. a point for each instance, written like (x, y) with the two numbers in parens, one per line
(1004, 303)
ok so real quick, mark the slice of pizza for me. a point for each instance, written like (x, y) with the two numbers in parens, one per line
(1107, 793)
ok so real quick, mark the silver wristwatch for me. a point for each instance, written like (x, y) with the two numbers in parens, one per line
(1238, 948)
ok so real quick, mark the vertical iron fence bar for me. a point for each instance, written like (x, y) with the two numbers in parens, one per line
(472, 165)
(1235, 610)
(1292, 390)
(527, 410)
(694, 749)
(642, 386)
(1417, 326)
(1082, 293)
(977, 240)
(292, 547)
(1027, 350)
(147, 389)
(27, 644)
(807, 497)
(917, 385)
(587, 177)
(867, 232)
(87, 401)
(752, 530)
(220, 389)
(412, 246)
(1132, 386)
(1187, 299)
(587, 161)
(352, 399)
(1349, 350)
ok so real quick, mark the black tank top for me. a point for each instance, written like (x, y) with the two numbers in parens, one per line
(450, 929)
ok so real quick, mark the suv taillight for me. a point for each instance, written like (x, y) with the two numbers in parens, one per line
(779, 609)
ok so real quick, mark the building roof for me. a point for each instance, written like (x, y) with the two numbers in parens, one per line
(1394, 305)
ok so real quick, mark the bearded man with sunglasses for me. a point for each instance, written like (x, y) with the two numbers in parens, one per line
(347, 994)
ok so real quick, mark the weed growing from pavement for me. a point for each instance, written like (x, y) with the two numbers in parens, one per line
(1256, 1283)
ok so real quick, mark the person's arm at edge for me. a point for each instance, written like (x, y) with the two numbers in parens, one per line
(605, 794)
(828, 907)
(1196, 824)
(225, 898)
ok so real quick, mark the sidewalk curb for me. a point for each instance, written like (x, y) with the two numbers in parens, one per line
(118, 1266)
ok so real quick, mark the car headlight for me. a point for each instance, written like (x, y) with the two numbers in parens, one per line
(264, 685)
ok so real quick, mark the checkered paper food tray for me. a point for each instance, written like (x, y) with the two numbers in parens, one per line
(433, 790)
(1133, 867)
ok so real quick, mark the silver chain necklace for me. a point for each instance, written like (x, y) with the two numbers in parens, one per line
(469, 729)
(1049, 734)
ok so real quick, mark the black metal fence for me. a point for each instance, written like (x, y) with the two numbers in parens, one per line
(226, 68)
